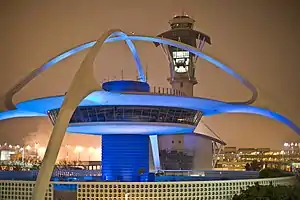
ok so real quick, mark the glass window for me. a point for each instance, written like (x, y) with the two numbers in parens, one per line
(131, 113)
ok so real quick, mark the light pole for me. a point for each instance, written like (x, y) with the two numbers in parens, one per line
(36, 150)
(28, 147)
(23, 155)
(67, 147)
(91, 151)
(78, 149)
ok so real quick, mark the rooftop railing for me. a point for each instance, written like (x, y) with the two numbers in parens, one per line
(166, 91)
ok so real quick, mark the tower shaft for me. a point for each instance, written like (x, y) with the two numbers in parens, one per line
(195, 150)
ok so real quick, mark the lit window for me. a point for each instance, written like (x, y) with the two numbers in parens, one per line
(181, 54)
(181, 69)
(180, 61)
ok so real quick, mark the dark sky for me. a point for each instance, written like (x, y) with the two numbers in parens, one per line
(258, 39)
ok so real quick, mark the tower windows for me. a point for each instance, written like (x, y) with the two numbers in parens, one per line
(181, 84)
(181, 61)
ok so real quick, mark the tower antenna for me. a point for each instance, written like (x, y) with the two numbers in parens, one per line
(146, 72)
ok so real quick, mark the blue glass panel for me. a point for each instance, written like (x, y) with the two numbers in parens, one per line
(125, 157)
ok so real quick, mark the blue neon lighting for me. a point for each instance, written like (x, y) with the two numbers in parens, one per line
(126, 86)
(129, 128)
(42, 105)
(120, 36)
(67, 54)
(123, 156)
(260, 111)
(208, 107)
(19, 113)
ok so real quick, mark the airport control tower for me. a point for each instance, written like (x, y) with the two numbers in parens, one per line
(197, 150)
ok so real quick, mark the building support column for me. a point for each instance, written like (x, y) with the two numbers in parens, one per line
(82, 85)
(155, 151)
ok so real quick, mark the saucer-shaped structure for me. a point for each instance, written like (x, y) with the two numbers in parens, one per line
(125, 113)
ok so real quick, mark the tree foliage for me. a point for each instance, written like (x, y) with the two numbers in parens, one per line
(270, 192)
(254, 166)
(273, 173)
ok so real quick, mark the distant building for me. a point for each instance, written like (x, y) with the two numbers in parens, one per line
(230, 158)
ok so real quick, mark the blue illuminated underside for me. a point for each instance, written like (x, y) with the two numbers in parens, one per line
(207, 106)
(97, 98)
(129, 114)
(108, 128)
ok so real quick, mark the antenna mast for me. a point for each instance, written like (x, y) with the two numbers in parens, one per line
(147, 72)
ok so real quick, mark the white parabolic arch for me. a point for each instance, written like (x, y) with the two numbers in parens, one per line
(9, 105)
(84, 83)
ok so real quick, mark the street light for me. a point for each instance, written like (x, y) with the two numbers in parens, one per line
(67, 147)
(36, 145)
(78, 149)
(28, 147)
(41, 151)
(23, 155)
(91, 151)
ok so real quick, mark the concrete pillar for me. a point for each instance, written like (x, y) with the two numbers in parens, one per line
(83, 84)
(155, 151)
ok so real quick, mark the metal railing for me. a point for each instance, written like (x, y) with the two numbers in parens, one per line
(166, 91)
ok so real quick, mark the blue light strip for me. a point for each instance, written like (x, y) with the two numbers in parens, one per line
(119, 36)
(129, 39)
(155, 151)
(259, 111)
(207, 106)
(134, 52)
(19, 113)
(9, 105)
(67, 54)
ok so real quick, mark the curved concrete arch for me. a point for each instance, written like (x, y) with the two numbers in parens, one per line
(204, 56)
(245, 109)
(128, 39)
(8, 102)
(82, 84)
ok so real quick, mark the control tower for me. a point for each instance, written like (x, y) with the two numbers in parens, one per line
(182, 64)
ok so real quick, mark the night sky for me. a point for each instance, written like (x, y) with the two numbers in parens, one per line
(258, 39)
